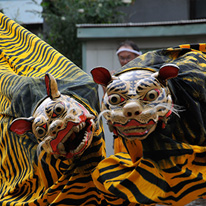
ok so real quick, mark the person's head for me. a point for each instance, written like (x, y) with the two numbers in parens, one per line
(127, 51)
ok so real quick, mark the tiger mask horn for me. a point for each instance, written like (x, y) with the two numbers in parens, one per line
(51, 87)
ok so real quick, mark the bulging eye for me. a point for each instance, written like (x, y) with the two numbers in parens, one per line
(115, 99)
(41, 132)
(59, 108)
(40, 127)
(152, 95)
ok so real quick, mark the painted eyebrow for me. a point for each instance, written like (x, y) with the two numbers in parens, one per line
(146, 83)
(115, 87)
(142, 88)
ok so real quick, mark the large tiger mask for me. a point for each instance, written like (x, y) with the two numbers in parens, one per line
(136, 100)
(61, 125)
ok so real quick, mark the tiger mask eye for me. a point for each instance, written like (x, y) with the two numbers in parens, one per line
(115, 99)
(152, 95)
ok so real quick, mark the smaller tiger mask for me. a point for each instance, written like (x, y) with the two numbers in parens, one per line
(136, 100)
(61, 125)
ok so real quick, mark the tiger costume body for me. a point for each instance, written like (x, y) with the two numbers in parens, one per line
(156, 104)
(49, 140)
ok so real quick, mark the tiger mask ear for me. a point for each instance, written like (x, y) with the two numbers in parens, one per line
(167, 71)
(102, 76)
(21, 125)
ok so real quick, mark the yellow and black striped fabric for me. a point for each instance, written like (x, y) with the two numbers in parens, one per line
(26, 179)
(172, 170)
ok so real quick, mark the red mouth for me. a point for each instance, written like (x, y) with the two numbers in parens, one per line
(76, 142)
(135, 134)
(133, 128)
(134, 123)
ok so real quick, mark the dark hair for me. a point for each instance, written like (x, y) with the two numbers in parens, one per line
(129, 43)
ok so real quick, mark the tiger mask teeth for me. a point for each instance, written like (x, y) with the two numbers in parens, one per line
(77, 140)
(79, 127)
(62, 147)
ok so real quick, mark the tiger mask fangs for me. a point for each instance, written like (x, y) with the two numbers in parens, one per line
(136, 100)
(61, 125)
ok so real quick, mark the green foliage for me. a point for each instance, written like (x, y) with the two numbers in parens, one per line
(62, 16)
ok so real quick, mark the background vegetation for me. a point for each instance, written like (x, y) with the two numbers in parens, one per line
(61, 17)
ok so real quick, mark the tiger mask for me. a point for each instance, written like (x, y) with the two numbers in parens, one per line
(61, 125)
(136, 100)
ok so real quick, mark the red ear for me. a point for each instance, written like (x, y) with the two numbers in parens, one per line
(21, 125)
(168, 71)
(101, 76)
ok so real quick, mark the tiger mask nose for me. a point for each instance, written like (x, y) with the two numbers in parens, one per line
(55, 127)
(132, 109)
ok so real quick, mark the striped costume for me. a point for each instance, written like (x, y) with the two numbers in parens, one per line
(26, 179)
(169, 166)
